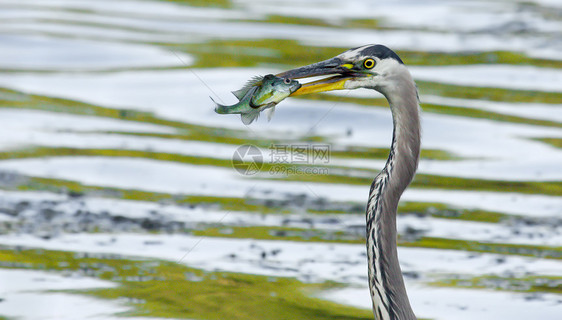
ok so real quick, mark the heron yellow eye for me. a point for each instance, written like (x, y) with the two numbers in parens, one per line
(369, 63)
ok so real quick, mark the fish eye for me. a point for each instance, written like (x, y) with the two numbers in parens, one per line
(287, 81)
(369, 63)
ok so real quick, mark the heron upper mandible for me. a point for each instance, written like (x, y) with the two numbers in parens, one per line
(379, 68)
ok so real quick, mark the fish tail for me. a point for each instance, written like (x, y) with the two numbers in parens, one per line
(219, 108)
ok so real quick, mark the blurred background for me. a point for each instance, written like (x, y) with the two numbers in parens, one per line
(122, 193)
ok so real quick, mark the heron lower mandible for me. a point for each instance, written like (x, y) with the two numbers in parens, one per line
(379, 68)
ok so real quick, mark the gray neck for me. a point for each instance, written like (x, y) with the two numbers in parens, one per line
(390, 300)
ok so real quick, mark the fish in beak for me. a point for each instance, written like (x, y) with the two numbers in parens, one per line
(337, 71)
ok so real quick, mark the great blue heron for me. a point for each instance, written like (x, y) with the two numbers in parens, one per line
(379, 68)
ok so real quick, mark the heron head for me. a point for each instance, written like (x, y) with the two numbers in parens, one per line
(370, 66)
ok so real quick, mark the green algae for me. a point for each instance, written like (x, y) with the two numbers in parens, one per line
(312, 235)
(357, 152)
(306, 173)
(490, 115)
(427, 209)
(529, 284)
(546, 252)
(78, 189)
(471, 58)
(440, 109)
(290, 53)
(251, 53)
(440, 210)
(248, 204)
(555, 142)
(280, 233)
(171, 290)
(279, 19)
(426, 181)
(204, 3)
(488, 93)
(527, 187)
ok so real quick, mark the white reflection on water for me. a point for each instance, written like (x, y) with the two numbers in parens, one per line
(47, 53)
(476, 26)
(176, 178)
(28, 294)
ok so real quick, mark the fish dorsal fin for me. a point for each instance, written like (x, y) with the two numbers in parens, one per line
(255, 81)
